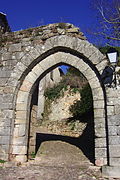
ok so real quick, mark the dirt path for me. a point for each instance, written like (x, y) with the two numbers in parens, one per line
(55, 160)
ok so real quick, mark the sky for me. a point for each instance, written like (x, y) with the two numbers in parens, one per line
(31, 13)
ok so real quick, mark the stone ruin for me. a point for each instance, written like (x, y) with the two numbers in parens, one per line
(26, 57)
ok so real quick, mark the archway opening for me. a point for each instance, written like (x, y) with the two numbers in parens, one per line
(51, 125)
(36, 73)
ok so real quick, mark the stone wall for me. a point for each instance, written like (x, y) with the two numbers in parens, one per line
(49, 80)
(13, 47)
(26, 57)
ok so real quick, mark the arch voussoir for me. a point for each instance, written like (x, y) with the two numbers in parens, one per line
(25, 88)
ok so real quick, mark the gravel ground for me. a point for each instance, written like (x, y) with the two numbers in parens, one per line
(63, 162)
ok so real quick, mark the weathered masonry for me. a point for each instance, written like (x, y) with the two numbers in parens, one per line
(25, 58)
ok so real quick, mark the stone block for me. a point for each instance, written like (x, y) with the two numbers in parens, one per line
(100, 153)
(114, 120)
(99, 113)
(12, 82)
(4, 149)
(20, 121)
(44, 65)
(114, 151)
(15, 47)
(38, 70)
(5, 121)
(16, 131)
(39, 48)
(9, 64)
(100, 142)
(4, 131)
(100, 132)
(98, 94)
(22, 130)
(110, 110)
(71, 60)
(4, 156)
(6, 56)
(82, 67)
(101, 65)
(83, 46)
(20, 66)
(20, 141)
(3, 81)
(114, 140)
(18, 55)
(16, 74)
(63, 40)
(117, 109)
(98, 104)
(21, 107)
(31, 77)
(90, 73)
(118, 130)
(21, 114)
(22, 150)
(6, 106)
(26, 86)
(94, 83)
(99, 122)
(27, 59)
(1, 90)
(4, 74)
(22, 97)
(8, 98)
(114, 161)
(9, 90)
(111, 171)
(34, 53)
(21, 158)
(96, 56)
(112, 93)
(4, 140)
(8, 114)
(112, 130)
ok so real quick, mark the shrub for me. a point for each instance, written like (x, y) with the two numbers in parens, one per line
(85, 104)
(2, 161)
(62, 25)
(56, 91)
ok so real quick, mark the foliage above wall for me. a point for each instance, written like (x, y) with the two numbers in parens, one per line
(75, 82)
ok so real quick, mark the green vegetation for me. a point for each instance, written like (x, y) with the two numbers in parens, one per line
(85, 105)
(32, 154)
(2, 161)
(73, 79)
(56, 91)
(62, 25)
(76, 83)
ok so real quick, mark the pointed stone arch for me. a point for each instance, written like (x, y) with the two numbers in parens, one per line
(38, 61)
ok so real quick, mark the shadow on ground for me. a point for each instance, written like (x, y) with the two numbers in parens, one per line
(85, 142)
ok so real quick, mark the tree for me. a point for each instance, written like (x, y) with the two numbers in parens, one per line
(108, 19)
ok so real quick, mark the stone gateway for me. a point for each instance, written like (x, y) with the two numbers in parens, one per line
(26, 57)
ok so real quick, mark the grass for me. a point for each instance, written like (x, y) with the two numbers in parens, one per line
(2, 161)
(33, 154)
